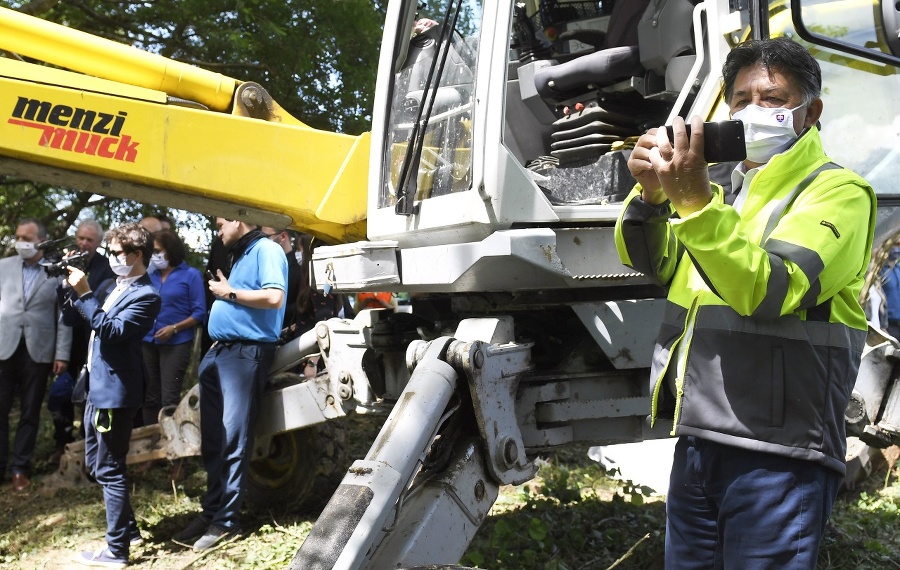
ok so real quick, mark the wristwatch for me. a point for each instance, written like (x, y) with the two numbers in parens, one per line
(232, 296)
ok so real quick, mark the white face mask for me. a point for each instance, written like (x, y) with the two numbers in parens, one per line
(26, 249)
(767, 130)
(117, 264)
(158, 261)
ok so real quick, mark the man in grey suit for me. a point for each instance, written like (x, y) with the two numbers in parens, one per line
(33, 343)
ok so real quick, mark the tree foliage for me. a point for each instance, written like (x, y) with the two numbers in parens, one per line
(60, 209)
(317, 59)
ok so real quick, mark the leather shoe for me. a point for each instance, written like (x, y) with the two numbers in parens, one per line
(20, 482)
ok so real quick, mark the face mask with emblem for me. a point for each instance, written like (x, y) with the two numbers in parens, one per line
(767, 130)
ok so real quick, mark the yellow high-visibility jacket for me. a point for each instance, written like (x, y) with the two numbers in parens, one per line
(762, 304)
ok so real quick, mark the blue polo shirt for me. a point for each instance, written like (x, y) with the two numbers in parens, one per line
(262, 266)
(183, 295)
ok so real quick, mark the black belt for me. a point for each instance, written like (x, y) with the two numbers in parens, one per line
(230, 343)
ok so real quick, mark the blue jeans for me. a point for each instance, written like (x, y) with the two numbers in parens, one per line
(733, 508)
(232, 379)
(104, 460)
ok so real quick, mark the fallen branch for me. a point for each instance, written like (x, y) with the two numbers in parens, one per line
(630, 551)
(287, 531)
(209, 551)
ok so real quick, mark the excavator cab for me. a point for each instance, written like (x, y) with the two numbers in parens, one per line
(494, 115)
(499, 128)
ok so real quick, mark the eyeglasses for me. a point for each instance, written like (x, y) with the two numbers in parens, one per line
(116, 253)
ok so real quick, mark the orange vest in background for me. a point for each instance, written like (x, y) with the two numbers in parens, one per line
(374, 300)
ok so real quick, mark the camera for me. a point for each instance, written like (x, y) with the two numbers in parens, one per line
(55, 263)
(723, 141)
(59, 267)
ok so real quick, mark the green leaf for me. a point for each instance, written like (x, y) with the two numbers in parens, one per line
(537, 529)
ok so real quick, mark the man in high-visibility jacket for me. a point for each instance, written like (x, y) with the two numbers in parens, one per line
(763, 331)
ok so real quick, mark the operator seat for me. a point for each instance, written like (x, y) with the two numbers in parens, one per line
(617, 93)
(617, 56)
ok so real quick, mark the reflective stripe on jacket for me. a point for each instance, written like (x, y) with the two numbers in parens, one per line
(770, 297)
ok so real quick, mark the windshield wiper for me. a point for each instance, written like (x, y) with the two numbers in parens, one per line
(408, 183)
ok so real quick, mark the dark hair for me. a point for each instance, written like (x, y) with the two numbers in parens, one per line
(41, 228)
(776, 54)
(304, 301)
(292, 238)
(173, 245)
(132, 237)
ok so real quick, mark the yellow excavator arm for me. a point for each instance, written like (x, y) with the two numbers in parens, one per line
(136, 125)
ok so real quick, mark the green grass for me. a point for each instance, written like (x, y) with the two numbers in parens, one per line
(572, 516)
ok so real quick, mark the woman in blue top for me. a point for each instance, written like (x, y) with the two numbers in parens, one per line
(167, 347)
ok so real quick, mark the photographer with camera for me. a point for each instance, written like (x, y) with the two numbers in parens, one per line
(763, 332)
(88, 236)
(33, 343)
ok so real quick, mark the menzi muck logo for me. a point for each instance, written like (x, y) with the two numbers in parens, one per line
(76, 130)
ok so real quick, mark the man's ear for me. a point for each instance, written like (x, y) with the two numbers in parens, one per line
(813, 112)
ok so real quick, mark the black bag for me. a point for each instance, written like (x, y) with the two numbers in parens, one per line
(79, 392)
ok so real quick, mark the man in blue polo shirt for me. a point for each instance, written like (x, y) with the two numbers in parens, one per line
(244, 323)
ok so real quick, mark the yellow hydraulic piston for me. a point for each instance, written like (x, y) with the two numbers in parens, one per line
(79, 51)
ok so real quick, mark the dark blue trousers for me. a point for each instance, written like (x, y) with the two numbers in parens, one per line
(745, 510)
(23, 377)
(104, 458)
(232, 379)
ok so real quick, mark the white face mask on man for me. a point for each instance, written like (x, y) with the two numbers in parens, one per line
(118, 266)
(26, 249)
(767, 130)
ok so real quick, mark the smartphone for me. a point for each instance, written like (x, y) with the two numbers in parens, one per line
(723, 141)
(210, 276)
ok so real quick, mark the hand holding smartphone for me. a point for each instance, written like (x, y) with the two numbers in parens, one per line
(210, 276)
(723, 141)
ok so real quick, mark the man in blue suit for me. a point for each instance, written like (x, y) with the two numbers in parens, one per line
(116, 377)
